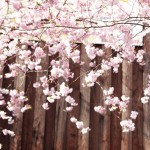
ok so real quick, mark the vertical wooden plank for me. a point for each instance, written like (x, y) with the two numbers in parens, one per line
(19, 85)
(83, 140)
(95, 118)
(1, 74)
(7, 83)
(72, 131)
(127, 78)
(60, 123)
(137, 135)
(39, 112)
(115, 132)
(49, 136)
(146, 107)
(106, 123)
(60, 120)
(28, 117)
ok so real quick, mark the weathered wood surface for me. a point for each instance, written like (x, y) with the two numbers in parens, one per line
(127, 78)
(7, 83)
(71, 130)
(115, 131)
(83, 141)
(19, 85)
(137, 135)
(60, 119)
(40, 99)
(28, 117)
(146, 107)
(49, 133)
(52, 130)
(106, 124)
(95, 118)
(60, 123)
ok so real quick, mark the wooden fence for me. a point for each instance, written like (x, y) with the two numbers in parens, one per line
(38, 129)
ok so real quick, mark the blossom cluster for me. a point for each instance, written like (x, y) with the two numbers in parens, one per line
(14, 105)
(80, 125)
(129, 125)
(114, 102)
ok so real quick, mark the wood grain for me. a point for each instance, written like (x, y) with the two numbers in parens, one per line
(146, 107)
(106, 124)
(137, 135)
(39, 112)
(96, 119)
(115, 131)
(72, 131)
(127, 78)
(19, 85)
(85, 100)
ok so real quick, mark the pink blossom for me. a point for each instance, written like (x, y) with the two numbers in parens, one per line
(2, 102)
(39, 53)
(50, 99)
(45, 106)
(100, 109)
(134, 114)
(38, 67)
(127, 125)
(75, 56)
(145, 99)
(125, 98)
(31, 65)
(79, 124)
(91, 78)
(8, 132)
(69, 108)
(91, 51)
(140, 57)
(85, 130)
(69, 99)
(17, 5)
(109, 91)
(73, 119)
(36, 85)
(26, 107)
(65, 90)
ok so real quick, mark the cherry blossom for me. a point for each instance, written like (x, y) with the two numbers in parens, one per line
(73, 119)
(127, 125)
(5, 132)
(45, 106)
(65, 90)
(134, 114)
(100, 109)
(79, 124)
